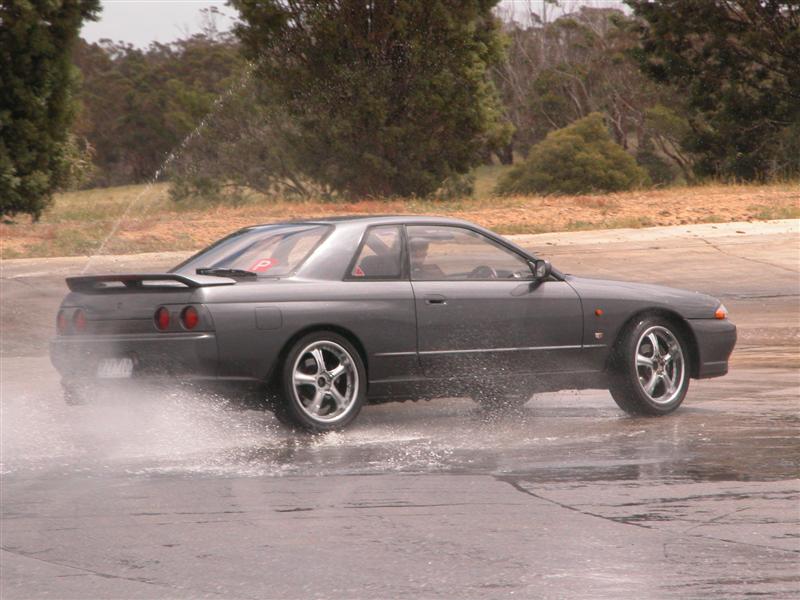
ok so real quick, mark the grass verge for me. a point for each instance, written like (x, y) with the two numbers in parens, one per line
(147, 220)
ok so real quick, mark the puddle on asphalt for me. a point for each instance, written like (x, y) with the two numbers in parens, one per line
(570, 436)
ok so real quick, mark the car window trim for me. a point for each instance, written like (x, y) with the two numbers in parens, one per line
(404, 273)
(492, 240)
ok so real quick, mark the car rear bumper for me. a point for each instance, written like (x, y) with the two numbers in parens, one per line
(158, 356)
(715, 341)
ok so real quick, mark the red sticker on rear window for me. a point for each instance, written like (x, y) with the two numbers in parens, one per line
(358, 271)
(263, 264)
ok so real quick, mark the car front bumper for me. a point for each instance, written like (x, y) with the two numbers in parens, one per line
(715, 341)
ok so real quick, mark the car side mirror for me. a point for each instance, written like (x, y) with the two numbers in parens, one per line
(541, 269)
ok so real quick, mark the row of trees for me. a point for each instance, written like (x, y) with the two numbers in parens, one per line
(138, 105)
(405, 98)
(583, 63)
(696, 89)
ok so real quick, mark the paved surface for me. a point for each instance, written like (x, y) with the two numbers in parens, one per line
(172, 495)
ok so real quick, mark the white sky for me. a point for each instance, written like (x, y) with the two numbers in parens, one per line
(140, 22)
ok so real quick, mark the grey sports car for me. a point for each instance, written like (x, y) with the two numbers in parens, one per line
(320, 317)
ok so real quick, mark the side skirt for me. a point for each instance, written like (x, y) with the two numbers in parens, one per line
(426, 389)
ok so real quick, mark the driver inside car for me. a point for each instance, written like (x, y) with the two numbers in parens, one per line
(418, 250)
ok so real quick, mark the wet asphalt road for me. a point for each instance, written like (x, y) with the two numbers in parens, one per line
(167, 494)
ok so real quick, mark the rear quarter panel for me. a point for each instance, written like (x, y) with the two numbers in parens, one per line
(255, 320)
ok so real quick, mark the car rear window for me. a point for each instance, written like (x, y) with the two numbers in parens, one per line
(271, 251)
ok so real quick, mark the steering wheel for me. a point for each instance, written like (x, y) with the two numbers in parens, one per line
(482, 272)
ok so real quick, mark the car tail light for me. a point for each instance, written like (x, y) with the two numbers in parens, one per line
(79, 320)
(189, 317)
(161, 318)
(62, 323)
(721, 312)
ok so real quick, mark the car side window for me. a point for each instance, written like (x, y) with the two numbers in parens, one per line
(380, 254)
(441, 253)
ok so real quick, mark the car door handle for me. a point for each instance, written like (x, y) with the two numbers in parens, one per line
(435, 299)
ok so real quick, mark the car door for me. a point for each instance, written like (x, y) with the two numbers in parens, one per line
(479, 310)
(382, 310)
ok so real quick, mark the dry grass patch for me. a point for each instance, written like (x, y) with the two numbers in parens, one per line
(149, 221)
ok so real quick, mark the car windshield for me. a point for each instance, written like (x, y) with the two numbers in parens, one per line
(271, 251)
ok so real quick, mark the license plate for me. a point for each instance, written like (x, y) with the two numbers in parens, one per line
(115, 368)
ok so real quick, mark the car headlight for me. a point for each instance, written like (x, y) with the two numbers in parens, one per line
(721, 312)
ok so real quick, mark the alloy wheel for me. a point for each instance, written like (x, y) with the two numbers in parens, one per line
(325, 381)
(660, 365)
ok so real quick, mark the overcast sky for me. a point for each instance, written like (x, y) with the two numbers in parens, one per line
(140, 22)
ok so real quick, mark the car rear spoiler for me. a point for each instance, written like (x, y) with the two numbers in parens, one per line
(100, 283)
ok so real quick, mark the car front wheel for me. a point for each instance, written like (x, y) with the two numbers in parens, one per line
(650, 369)
(322, 383)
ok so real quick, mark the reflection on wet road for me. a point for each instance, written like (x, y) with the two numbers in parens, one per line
(558, 437)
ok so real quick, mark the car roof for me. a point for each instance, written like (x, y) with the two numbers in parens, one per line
(372, 220)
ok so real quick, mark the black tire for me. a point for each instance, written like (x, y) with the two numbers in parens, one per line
(629, 379)
(76, 393)
(292, 406)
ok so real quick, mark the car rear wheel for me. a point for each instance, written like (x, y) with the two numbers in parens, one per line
(322, 383)
(76, 393)
(650, 370)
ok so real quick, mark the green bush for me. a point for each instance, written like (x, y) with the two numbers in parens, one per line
(580, 158)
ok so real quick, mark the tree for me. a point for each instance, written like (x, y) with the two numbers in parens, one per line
(580, 158)
(738, 62)
(381, 98)
(236, 153)
(36, 104)
(665, 130)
